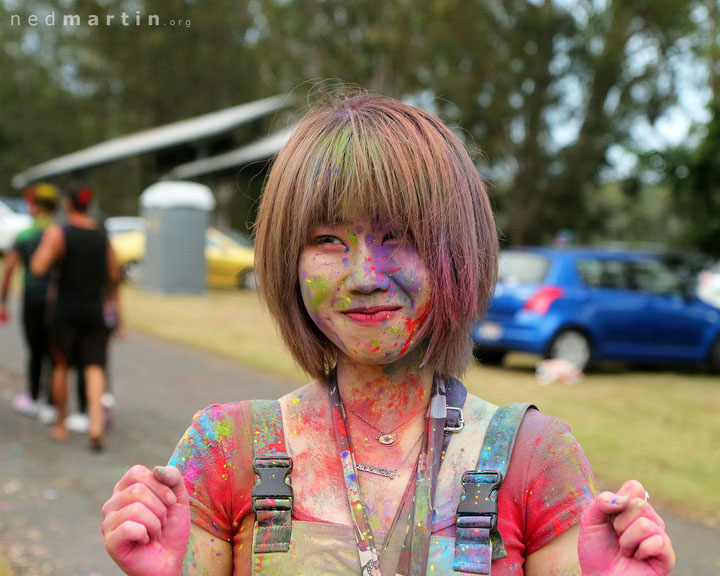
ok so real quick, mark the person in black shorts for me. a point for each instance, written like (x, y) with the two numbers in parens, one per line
(42, 201)
(86, 272)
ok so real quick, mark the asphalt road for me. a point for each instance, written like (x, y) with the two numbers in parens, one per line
(51, 494)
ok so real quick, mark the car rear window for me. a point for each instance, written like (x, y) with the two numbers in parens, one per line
(603, 274)
(522, 268)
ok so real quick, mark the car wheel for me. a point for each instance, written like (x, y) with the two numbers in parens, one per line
(133, 273)
(714, 357)
(489, 357)
(573, 346)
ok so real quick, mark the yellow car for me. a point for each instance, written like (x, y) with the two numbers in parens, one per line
(229, 255)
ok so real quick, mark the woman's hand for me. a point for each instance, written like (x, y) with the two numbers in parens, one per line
(621, 534)
(147, 522)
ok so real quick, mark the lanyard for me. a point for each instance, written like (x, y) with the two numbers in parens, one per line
(411, 527)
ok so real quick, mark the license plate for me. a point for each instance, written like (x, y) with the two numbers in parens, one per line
(491, 330)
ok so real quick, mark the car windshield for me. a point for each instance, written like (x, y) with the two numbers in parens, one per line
(16, 204)
(237, 236)
(522, 268)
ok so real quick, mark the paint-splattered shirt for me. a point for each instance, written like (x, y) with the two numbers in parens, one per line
(548, 485)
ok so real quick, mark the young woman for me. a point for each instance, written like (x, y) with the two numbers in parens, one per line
(86, 272)
(375, 250)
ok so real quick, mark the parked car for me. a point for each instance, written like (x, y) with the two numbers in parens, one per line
(14, 218)
(121, 224)
(588, 305)
(229, 253)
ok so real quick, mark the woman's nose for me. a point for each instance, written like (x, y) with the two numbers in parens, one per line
(366, 278)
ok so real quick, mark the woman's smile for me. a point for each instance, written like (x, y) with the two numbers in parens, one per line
(371, 315)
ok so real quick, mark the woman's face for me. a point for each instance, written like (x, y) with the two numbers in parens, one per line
(368, 292)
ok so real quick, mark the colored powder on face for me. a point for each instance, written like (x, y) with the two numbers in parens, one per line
(320, 289)
(353, 237)
(412, 325)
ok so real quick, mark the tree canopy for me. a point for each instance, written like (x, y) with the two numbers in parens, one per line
(540, 90)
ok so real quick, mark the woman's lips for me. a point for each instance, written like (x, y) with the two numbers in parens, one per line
(371, 315)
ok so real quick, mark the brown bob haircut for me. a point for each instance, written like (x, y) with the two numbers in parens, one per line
(399, 165)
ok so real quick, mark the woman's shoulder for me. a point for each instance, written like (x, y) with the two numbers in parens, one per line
(307, 398)
(534, 421)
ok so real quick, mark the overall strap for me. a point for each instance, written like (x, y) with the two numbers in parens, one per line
(477, 540)
(272, 496)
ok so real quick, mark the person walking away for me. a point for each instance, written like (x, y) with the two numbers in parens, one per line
(42, 201)
(86, 269)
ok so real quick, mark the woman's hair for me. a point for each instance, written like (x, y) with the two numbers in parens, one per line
(80, 197)
(400, 166)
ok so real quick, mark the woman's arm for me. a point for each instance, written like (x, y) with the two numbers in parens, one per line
(620, 535)
(207, 554)
(52, 245)
(558, 558)
(12, 259)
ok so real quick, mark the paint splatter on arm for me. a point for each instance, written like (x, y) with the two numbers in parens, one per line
(207, 555)
(558, 484)
(215, 460)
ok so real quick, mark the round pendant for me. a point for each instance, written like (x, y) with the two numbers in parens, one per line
(386, 438)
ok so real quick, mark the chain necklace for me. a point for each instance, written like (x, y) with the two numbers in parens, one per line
(385, 438)
(384, 471)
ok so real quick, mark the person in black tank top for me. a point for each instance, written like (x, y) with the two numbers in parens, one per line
(86, 271)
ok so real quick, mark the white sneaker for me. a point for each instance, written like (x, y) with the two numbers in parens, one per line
(47, 414)
(77, 422)
(24, 404)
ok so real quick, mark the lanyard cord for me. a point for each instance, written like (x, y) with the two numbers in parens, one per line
(416, 505)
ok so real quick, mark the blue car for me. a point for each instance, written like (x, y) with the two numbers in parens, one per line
(590, 305)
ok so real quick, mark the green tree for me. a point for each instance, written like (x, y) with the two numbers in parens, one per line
(695, 180)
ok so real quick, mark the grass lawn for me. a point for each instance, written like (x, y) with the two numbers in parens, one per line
(657, 426)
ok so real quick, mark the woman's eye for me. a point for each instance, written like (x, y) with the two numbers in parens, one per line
(327, 239)
(389, 237)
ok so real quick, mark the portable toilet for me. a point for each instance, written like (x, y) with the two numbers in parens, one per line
(176, 216)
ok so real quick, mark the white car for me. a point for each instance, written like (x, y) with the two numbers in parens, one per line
(708, 286)
(116, 225)
(13, 220)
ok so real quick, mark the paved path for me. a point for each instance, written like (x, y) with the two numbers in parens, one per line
(51, 495)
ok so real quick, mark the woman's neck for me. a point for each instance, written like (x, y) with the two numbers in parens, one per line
(81, 220)
(385, 395)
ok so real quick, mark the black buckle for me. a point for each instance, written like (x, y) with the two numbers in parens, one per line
(272, 483)
(477, 508)
(453, 425)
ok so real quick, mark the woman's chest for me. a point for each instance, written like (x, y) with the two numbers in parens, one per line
(320, 488)
(320, 484)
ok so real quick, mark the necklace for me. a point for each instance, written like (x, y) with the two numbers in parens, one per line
(385, 438)
(384, 471)
(410, 530)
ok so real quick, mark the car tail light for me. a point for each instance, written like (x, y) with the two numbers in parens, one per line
(541, 301)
